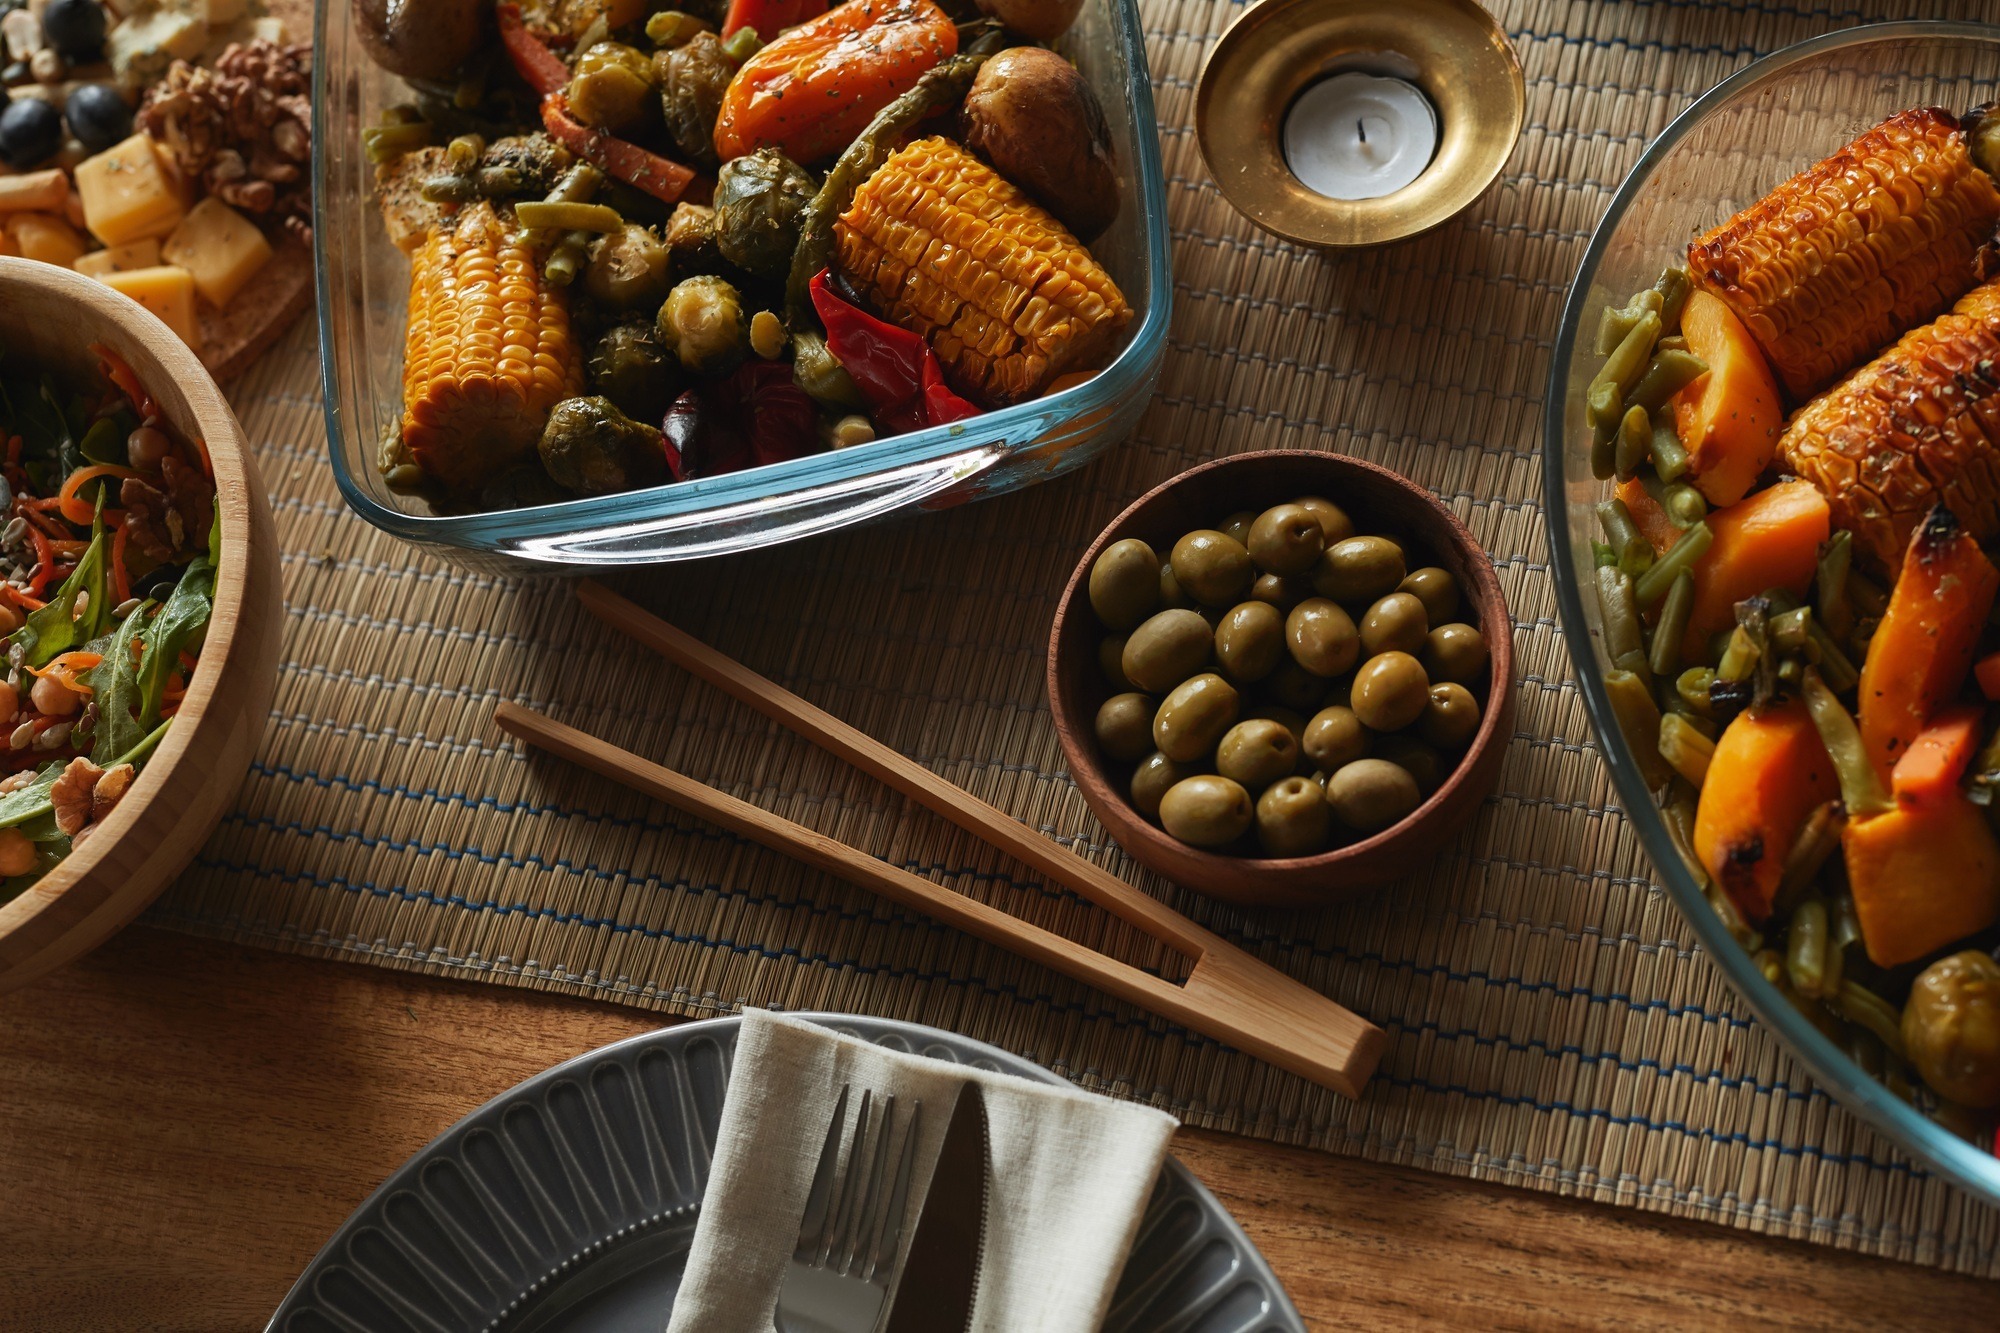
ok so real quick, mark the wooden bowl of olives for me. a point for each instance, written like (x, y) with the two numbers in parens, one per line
(1283, 677)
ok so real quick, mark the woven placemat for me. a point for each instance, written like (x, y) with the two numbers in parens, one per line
(1552, 1022)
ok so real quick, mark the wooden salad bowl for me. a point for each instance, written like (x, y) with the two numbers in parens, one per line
(1381, 502)
(48, 318)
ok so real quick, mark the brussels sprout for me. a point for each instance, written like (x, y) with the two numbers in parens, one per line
(629, 268)
(758, 200)
(692, 79)
(630, 367)
(691, 238)
(592, 448)
(611, 87)
(702, 321)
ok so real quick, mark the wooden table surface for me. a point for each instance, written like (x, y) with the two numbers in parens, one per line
(183, 1123)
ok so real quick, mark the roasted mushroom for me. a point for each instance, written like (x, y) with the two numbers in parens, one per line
(592, 448)
(1034, 118)
(421, 41)
(758, 200)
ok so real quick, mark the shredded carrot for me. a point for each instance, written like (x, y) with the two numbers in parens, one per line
(68, 668)
(45, 561)
(122, 375)
(21, 598)
(74, 507)
(68, 549)
(121, 582)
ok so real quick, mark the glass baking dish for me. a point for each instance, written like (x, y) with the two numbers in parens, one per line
(363, 281)
(1744, 136)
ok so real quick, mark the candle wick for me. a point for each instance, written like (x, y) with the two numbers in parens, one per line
(1362, 129)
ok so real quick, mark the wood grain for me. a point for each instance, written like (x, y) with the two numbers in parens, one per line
(53, 316)
(186, 1122)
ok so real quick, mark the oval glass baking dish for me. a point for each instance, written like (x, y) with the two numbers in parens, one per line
(363, 282)
(1753, 130)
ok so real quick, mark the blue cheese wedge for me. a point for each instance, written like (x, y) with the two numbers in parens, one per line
(142, 46)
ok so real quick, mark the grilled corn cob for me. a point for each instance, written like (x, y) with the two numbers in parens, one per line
(949, 248)
(489, 351)
(1918, 424)
(1832, 265)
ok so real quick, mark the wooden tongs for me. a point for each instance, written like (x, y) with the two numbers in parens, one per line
(1229, 995)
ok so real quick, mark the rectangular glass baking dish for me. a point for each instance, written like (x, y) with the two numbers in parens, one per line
(363, 281)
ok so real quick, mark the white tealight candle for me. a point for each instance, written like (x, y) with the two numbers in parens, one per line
(1360, 136)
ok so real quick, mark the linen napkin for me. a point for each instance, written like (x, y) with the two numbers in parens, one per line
(1069, 1176)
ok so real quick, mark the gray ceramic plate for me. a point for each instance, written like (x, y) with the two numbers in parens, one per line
(569, 1202)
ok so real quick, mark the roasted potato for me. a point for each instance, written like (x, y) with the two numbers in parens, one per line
(1034, 118)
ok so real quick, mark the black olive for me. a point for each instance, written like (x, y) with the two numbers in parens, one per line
(98, 116)
(30, 132)
(75, 28)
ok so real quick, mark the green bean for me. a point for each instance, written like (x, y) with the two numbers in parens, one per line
(1602, 556)
(1674, 287)
(1628, 360)
(1777, 601)
(1739, 659)
(569, 216)
(1671, 628)
(1639, 718)
(1623, 534)
(1813, 1011)
(1858, 1004)
(1673, 342)
(1670, 458)
(1685, 505)
(1817, 840)
(567, 259)
(1634, 661)
(1867, 595)
(1805, 949)
(1678, 815)
(386, 143)
(671, 28)
(1685, 748)
(463, 153)
(1679, 559)
(1731, 916)
(1603, 406)
(1790, 629)
(1846, 926)
(1860, 788)
(1985, 782)
(1617, 321)
(1669, 372)
(1604, 411)
(1622, 632)
(577, 185)
(1634, 444)
(1753, 617)
(1836, 558)
(1833, 962)
(449, 189)
(740, 45)
(1692, 686)
(1834, 665)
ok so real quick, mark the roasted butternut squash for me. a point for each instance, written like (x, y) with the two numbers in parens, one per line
(1923, 876)
(1768, 773)
(1770, 540)
(1651, 520)
(1729, 419)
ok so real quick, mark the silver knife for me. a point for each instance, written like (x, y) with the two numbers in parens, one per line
(941, 1274)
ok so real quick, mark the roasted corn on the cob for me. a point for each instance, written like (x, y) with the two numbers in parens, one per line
(1919, 424)
(1832, 265)
(489, 350)
(947, 247)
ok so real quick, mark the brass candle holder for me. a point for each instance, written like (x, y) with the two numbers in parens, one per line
(1454, 52)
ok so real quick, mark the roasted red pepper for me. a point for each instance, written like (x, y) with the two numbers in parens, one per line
(658, 176)
(544, 70)
(756, 416)
(770, 17)
(896, 370)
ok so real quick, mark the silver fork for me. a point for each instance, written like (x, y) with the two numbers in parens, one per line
(838, 1280)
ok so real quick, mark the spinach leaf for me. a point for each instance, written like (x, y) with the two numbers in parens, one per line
(186, 612)
(115, 686)
(54, 629)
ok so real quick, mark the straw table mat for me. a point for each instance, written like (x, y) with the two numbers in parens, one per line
(1552, 1023)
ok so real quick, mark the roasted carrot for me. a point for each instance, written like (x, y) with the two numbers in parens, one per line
(811, 92)
(1770, 540)
(1729, 419)
(1920, 653)
(1922, 876)
(74, 507)
(1651, 520)
(1929, 770)
(1768, 773)
(539, 66)
(660, 177)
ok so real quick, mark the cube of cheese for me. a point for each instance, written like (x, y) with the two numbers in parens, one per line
(45, 237)
(120, 258)
(166, 291)
(126, 194)
(221, 247)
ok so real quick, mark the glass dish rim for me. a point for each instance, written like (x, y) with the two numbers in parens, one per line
(495, 531)
(1958, 1161)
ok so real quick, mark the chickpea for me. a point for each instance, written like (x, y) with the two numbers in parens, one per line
(53, 698)
(11, 619)
(17, 853)
(148, 447)
(10, 701)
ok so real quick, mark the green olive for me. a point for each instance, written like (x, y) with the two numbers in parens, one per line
(1394, 623)
(1450, 717)
(1125, 727)
(1295, 687)
(1164, 651)
(1436, 589)
(1335, 737)
(1358, 570)
(1150, 781)
(1193, 717)
(1414, 757)
(1171, 593)
(1238, 525)
(1124, 584)
(1455, 652)
(1257, 753)
(1213, 567)
(1293, 818)
(1286, 539)
(1110, 657)
(1322, 637)
(1280, 591)
(1951, 1027)
(1207, 811)
(1390, 691)
(1371, 794)
(1250, 641)
(1333, 520)
(1286, 718)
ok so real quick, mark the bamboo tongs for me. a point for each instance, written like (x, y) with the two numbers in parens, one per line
(1228, 995)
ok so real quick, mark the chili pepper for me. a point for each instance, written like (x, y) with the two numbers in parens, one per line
(126, 379)
(538, 65)
(756, 416)
(770, 17)
(897, 371)
(665, 180)
(45, 561)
